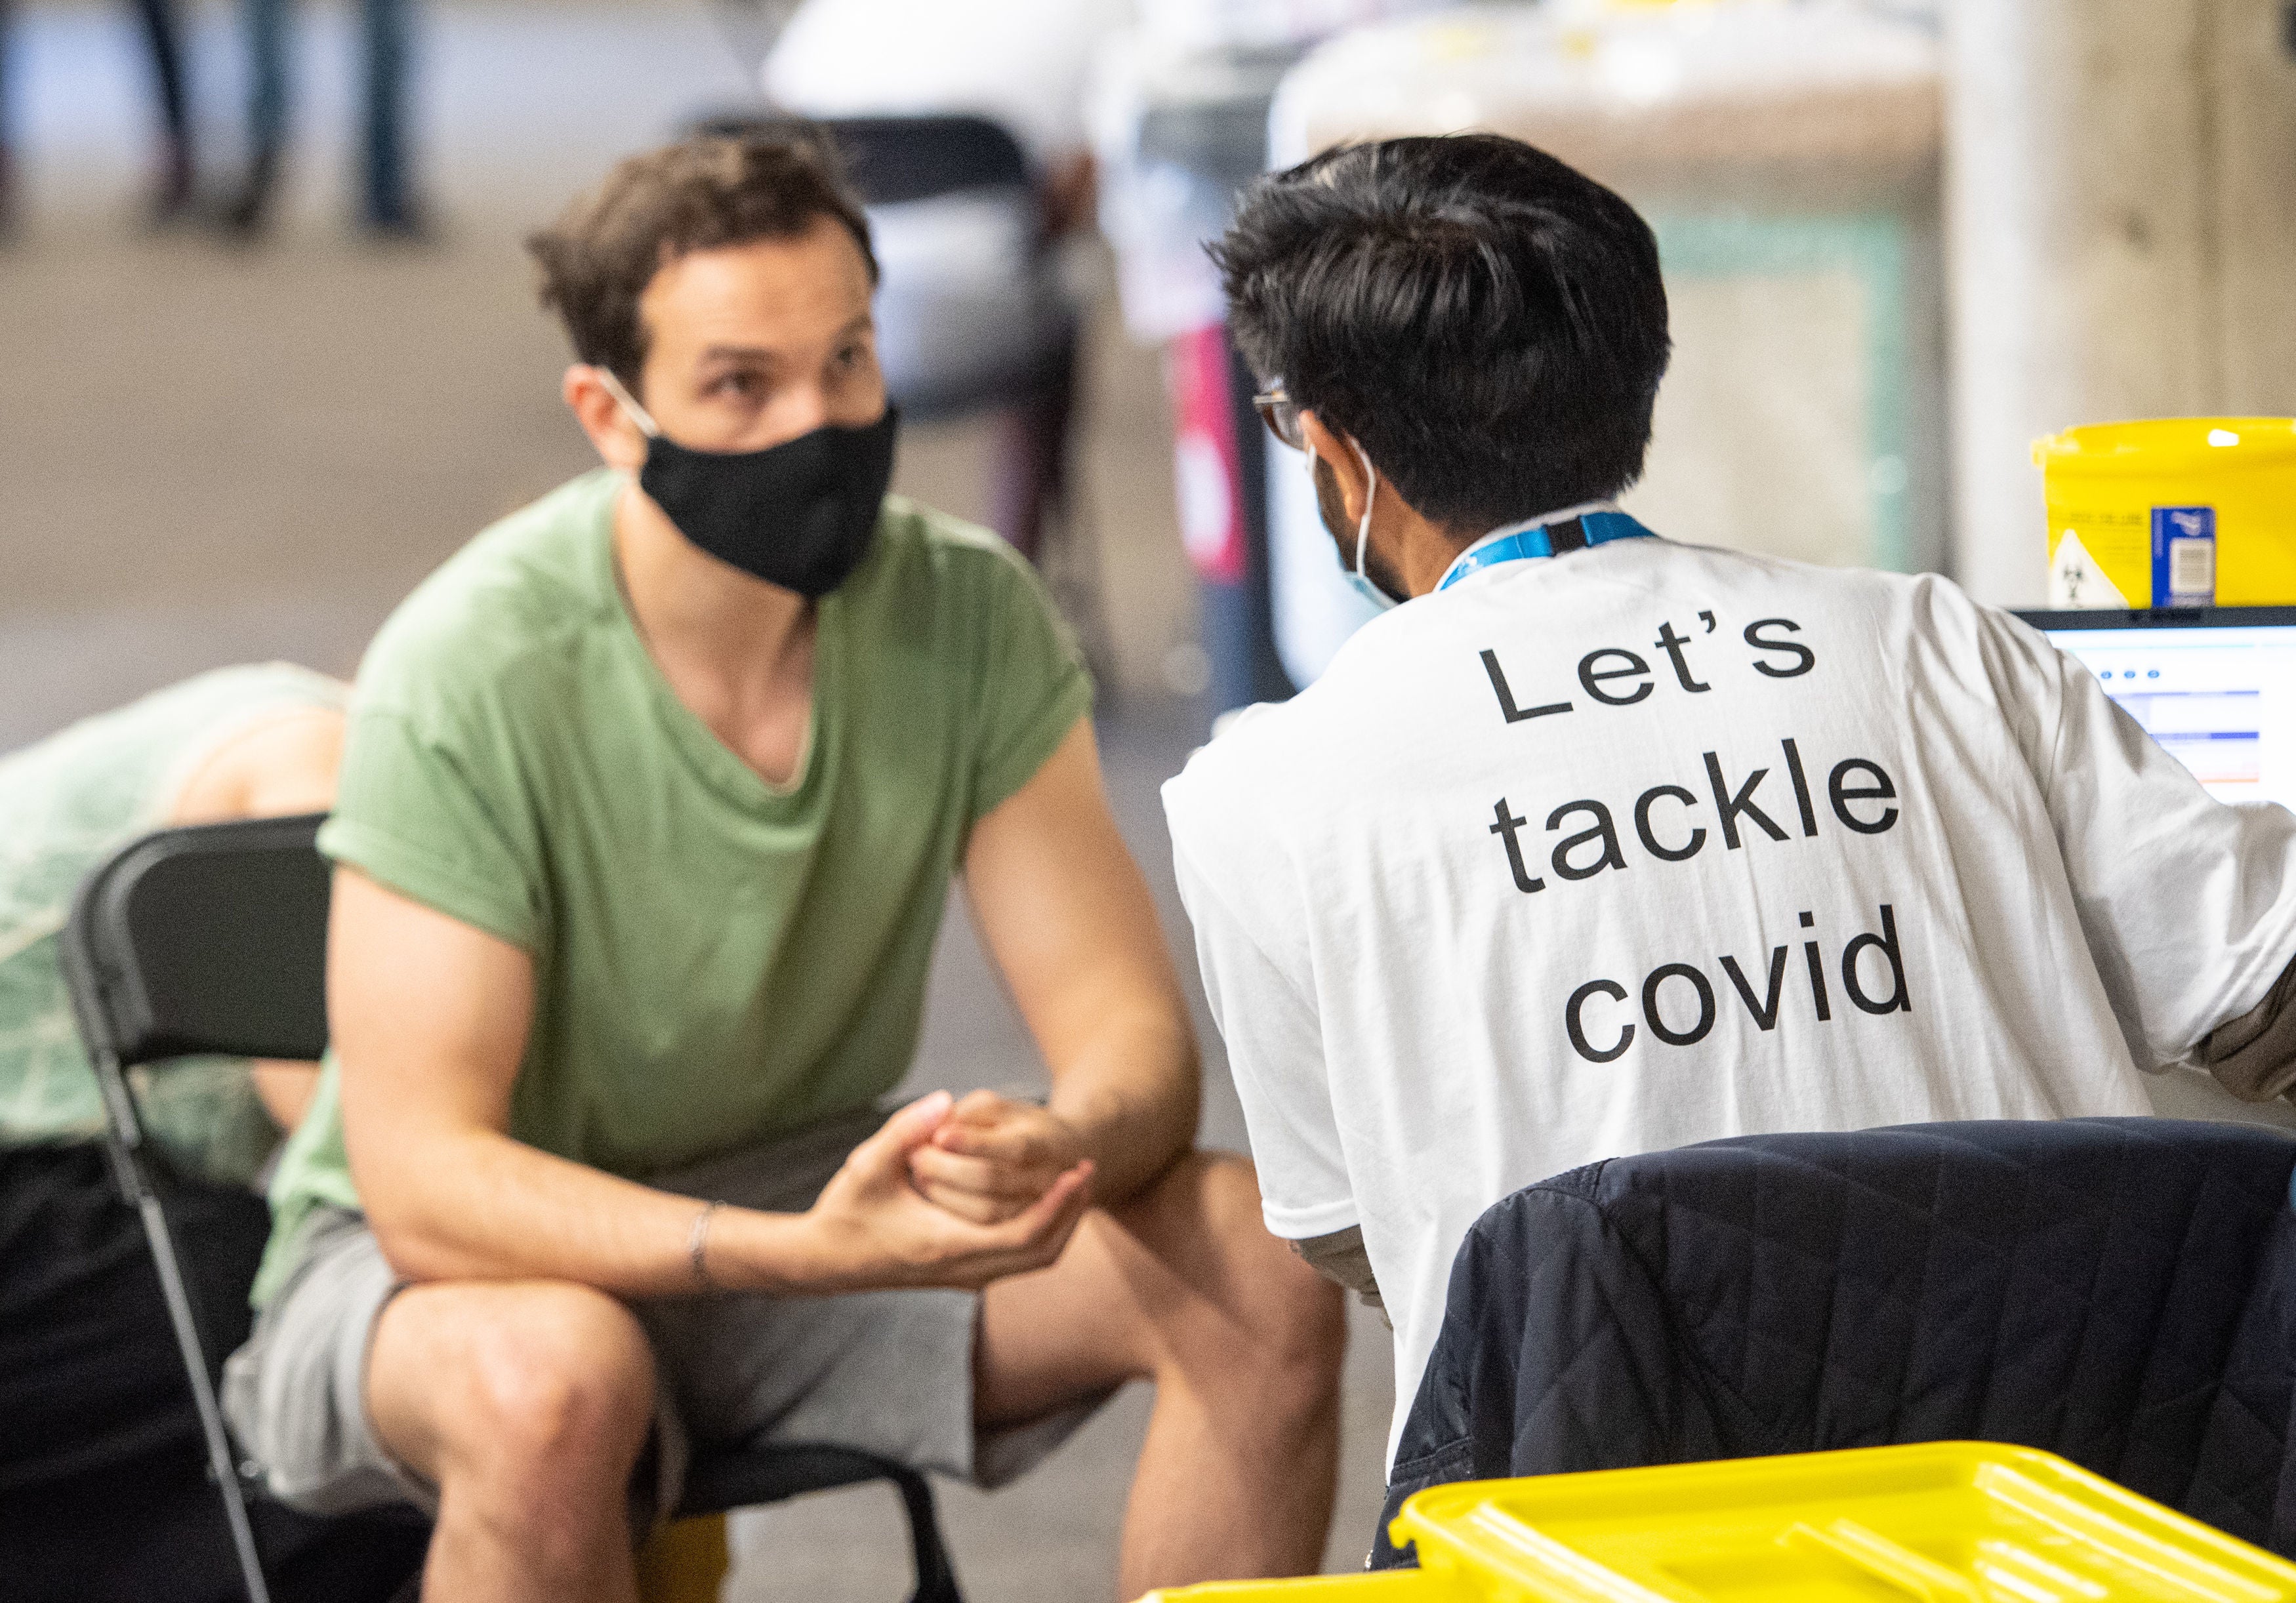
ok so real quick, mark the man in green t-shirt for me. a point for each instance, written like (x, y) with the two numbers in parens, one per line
(650, 802)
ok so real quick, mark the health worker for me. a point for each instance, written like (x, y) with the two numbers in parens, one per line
(1600, 842)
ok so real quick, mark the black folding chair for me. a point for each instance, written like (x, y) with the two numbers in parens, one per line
(211, 939)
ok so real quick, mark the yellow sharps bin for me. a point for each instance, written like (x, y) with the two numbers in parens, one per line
(1386, 1586)
(2172, 511)
(1944, 1522)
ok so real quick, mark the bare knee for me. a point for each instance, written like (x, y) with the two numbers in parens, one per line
(568, 1383)
(1203, 1218)
(541, 1386)
(1304, 1315)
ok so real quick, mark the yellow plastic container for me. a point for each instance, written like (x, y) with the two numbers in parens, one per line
(2103, 481)
(1948, 1522)
(1387, 1586)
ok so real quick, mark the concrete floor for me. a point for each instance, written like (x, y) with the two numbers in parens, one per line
(212, 453)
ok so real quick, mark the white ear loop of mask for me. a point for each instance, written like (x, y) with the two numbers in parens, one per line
(638, 414)
(1363, 528)
(1363, 525)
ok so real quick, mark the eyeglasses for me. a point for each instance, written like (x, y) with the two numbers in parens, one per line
(1281, 413)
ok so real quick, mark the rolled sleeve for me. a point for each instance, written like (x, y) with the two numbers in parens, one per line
(1034, 686)
(414, 814)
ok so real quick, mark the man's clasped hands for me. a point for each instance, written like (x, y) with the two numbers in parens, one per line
(963, 1190)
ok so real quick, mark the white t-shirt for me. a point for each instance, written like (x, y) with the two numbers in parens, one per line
(1650, 844)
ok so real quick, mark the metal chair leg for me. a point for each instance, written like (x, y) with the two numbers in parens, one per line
(936, 1576)
(221, 1465)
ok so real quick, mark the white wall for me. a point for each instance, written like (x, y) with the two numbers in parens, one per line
(2122, 209)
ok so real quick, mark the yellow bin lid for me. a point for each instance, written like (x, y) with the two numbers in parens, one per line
(1385, 1586)
(1948, 1522)
(2169, 445)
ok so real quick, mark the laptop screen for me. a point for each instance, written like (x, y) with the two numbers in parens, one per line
(2215, 686)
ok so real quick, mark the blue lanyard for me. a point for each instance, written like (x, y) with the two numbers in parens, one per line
(1548, 540)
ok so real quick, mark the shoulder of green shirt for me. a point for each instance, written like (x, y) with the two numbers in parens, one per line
(477, 651)
(518, 587)
(1029, 684)
(952, 549)
(527, 582)
(481, 644)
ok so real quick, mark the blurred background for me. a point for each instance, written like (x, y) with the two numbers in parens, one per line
(269, 351)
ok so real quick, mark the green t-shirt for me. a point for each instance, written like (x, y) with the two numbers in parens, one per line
(66, 804)
(717, 961)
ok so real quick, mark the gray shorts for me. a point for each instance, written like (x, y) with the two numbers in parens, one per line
(885, 1372)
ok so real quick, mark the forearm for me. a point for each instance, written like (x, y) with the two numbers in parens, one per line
(2254, 1055)
(1132, 1093)
(1065, 913)
(1339, 1257)
(481, 1206)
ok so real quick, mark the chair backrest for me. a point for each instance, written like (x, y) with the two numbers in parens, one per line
(892, 159)
(2118, 1291)
(204, 939)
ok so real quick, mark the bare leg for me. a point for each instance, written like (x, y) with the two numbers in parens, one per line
(526, 1403)
(1183, 1286)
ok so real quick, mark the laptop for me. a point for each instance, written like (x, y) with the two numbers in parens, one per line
(2215, 686)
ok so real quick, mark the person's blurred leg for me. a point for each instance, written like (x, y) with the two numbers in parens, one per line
(266, 23)
(7, 128)
(1032, 453)
(388, 208)
(163, 34)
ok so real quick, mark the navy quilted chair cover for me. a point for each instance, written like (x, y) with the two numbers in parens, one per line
(2119, 1291)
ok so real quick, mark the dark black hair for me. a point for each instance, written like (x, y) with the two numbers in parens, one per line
(1485, 322)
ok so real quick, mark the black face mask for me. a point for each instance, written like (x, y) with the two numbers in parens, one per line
(800, 514)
